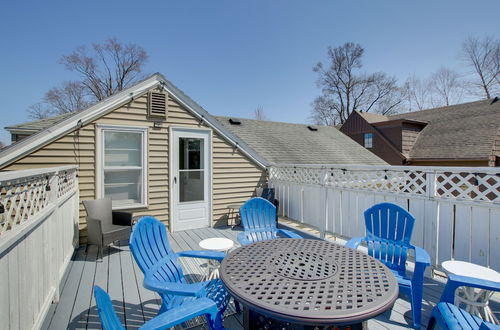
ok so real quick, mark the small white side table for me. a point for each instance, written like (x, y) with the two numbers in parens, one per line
(220, 244)
(476, 300)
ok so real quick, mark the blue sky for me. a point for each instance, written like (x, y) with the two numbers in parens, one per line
(231, 56)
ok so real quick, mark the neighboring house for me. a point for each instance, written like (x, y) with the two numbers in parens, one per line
(155, 151)
(458, 135)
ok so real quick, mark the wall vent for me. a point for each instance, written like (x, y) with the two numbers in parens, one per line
(157, 105)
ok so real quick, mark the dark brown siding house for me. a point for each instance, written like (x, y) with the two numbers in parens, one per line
(458, 135)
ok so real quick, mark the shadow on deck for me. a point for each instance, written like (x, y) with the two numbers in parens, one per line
(118, 274)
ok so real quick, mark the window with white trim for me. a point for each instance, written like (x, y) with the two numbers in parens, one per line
(123, 166)
(368, 140)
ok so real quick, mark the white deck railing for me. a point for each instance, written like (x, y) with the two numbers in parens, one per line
(457, 209)
(38, 234)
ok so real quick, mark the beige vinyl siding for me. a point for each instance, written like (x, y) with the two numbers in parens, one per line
(235, 177)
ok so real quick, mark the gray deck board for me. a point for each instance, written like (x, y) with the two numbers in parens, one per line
(84, 295)
(119, 275)
(62, 315)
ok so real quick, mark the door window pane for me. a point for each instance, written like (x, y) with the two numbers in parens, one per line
(191, 153)
(191, 186)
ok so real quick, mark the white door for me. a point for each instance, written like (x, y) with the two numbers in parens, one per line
(190, 179)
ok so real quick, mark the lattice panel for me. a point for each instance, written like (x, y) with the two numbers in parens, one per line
(305, 175)
(410, 182)
(468, 186)
(66, 182)
(21, 199)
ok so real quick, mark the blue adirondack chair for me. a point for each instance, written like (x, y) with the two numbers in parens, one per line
(258, 217)
(163, 272)
(446, 315)
(175, 316)
(388, 234)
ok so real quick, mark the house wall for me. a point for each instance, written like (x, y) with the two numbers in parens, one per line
(356, 126)
(409, 134)
(234, 178)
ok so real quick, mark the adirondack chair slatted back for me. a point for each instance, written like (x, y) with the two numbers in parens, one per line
(107, 314)
(388, 233)
(149, 245)
(258, 217)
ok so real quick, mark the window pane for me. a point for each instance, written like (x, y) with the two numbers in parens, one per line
(123, 186)
(191, 186)
(191, 153)
(122, 148)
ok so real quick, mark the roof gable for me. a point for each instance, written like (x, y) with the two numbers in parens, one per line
(72, 122)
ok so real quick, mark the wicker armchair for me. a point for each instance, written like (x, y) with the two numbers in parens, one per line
(105, 226)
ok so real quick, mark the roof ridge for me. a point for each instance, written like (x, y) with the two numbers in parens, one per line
(274, 121)
(440, 108)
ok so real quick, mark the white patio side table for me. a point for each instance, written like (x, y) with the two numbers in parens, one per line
(476, 300)
(220, 244)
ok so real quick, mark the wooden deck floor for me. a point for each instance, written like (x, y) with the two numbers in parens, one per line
(118, 274)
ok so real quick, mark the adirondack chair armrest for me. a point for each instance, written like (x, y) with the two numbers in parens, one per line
(421, 256)
(354, 242)
(122, 218)
(181, 289)
(243, 239)
(288, 233)
(202, 254)
(455, 281)
(182, 313)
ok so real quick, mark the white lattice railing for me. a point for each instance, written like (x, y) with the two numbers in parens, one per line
(23, 194)
(471, 184)
(38, 234)
(457, 209)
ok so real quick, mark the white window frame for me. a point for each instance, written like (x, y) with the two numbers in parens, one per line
(100, 164)
(371, 140)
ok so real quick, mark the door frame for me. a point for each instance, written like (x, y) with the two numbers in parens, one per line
(172, 204)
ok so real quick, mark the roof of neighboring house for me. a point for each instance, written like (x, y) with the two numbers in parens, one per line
(461, 131)
(285, 143)
(37, 125)
(372, 117)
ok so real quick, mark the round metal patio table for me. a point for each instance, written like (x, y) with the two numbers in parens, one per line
(308, 282)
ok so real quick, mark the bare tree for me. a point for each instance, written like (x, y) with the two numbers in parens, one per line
(104, 70)
(483, 57)
(446, 86)
(259, 113)
(39, 111)
(345, 88)
(109, 69)
(71, 96)
(417, 93)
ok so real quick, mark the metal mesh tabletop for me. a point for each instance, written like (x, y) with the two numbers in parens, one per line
(309, 281)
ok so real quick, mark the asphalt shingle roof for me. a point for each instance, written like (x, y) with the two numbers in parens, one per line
(285, 143)
(40, 124)
(462, 131)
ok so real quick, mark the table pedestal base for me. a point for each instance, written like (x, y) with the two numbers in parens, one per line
(255, 321)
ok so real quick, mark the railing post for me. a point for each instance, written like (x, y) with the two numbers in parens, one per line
(430, 185)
